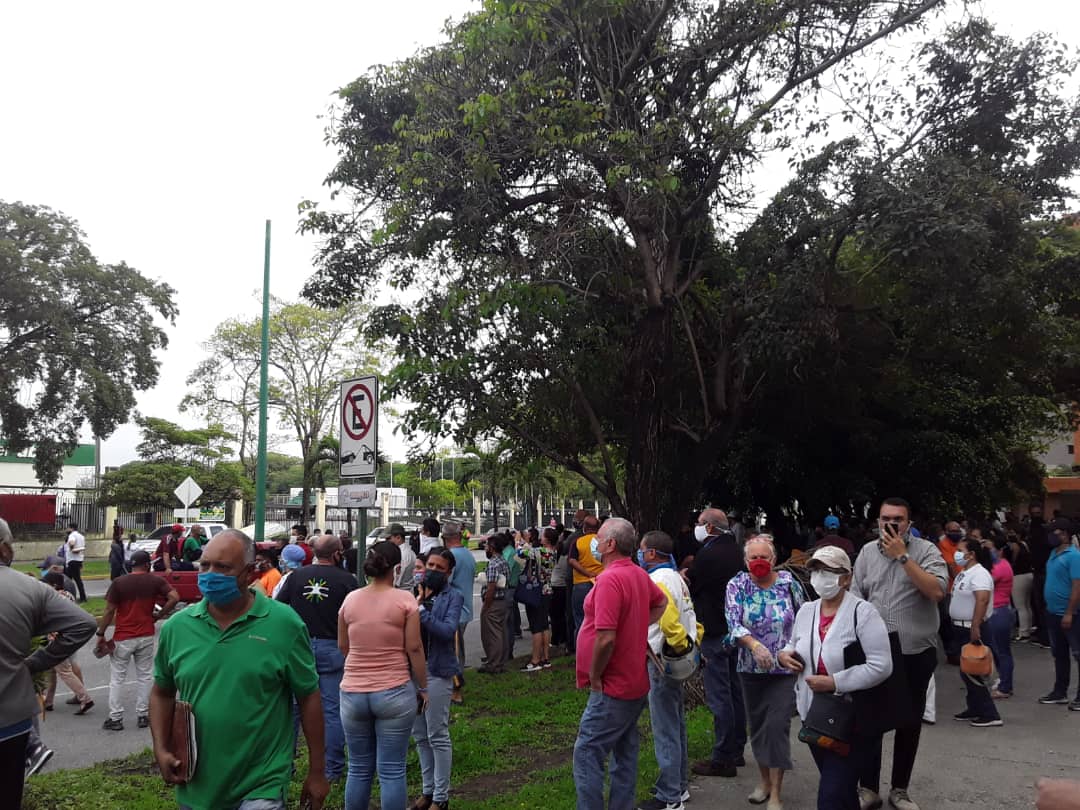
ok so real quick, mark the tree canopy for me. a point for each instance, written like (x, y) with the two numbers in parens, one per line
(311, 351)
(569, 190)
(169, 454)
(78, 337)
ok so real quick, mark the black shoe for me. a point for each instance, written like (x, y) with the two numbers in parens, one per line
(986, 722)
(113, 725)
(965, 715)
(144, 721)
(36, 758)
(1075, 705)
(1054, 699)
(707, 767)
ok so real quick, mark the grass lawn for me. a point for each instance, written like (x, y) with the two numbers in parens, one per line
(91, 568)
(513, 746)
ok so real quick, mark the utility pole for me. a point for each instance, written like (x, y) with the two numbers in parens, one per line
(264, 384)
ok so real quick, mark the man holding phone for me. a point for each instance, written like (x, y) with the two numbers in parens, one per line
(904, 577)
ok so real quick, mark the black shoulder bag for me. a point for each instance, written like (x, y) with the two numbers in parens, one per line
(830, 721)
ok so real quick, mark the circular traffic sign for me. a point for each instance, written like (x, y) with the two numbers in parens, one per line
(357, 414)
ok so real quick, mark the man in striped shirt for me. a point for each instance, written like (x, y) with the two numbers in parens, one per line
(904, 577)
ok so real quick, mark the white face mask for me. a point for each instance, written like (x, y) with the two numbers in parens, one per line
(826, 583)
(700, 533)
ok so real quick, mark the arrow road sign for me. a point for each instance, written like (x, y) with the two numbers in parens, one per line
(188, 492)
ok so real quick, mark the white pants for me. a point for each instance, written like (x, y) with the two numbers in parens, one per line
(1021, 596)
(140, 649)
(930, 712)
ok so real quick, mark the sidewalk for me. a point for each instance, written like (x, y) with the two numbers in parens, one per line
(959, 767)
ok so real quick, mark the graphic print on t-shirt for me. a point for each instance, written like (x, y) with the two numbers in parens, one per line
(316, 590)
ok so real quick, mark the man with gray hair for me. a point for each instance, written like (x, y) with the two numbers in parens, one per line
(28, 609)
(611, 662)
(238, 658)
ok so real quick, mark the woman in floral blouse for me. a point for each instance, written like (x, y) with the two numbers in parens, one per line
(761, 607)
(541, 556)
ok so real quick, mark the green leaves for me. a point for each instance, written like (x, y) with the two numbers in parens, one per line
(77, 338)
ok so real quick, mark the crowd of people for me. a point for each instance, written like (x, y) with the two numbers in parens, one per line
(841, 630)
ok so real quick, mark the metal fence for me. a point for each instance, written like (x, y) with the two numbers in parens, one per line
(48, 511)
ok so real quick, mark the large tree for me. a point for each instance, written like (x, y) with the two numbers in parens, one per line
(569, 188)
(78, 337)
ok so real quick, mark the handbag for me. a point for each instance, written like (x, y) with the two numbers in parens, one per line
(528, 590)
(888, 705)
(976, 660)
(830, 721)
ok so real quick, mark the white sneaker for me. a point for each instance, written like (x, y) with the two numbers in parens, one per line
(899, 799)
(685, 795)
(868, 800)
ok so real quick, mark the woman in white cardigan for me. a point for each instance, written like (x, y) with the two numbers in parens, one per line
(823, 628)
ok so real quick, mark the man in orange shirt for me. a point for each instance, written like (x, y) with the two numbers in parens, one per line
(266, 568)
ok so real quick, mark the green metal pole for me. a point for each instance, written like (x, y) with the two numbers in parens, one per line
(264, 381)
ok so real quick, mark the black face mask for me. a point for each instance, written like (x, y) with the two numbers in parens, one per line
(435, 581)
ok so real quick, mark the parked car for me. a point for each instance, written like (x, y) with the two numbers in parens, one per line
(381, 533)
(150, 543)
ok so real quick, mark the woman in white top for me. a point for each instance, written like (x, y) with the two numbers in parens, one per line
(971, 605)
(823, 628)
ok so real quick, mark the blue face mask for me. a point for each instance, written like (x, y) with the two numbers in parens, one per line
(218, 589)
(641, 558)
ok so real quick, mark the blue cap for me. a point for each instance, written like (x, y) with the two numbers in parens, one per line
(293, 554)
(832, 522)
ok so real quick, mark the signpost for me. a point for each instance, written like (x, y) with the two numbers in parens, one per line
(188, 492)
(358, 420)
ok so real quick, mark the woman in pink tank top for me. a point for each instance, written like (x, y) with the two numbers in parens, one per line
(385, 682)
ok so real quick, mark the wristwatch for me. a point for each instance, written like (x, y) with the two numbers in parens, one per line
(902, 559)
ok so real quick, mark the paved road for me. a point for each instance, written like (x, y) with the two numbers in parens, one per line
(80, 741)
(959, 767)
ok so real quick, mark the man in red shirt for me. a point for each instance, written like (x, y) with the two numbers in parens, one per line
(131, 600)
(611, 650)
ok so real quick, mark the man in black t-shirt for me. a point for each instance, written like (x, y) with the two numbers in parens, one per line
(316, 592)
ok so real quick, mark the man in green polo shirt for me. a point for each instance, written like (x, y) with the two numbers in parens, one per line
(238, 658)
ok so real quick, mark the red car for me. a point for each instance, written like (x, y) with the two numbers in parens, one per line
(186, 583)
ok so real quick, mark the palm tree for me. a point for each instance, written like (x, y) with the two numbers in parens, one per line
(490, 465)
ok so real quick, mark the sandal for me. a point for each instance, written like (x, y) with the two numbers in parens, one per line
(84, 708)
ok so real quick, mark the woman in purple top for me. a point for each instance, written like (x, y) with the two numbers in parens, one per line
(760, 608)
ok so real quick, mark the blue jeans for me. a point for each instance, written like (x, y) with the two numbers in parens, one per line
(431, 730)
(979, 701)
(838, 779)
(577, 605)
(998, 629)
(377, 726)
(1062, 644)
(667, 715)
(724, 697)
(330, 664)
(608, 729)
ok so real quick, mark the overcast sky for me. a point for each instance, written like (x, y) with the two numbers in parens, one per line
(172, 132)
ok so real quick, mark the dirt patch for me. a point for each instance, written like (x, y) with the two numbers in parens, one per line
(493, 784)
(136, 765)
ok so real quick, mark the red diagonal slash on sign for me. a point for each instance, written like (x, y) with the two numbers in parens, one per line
(353, 421)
